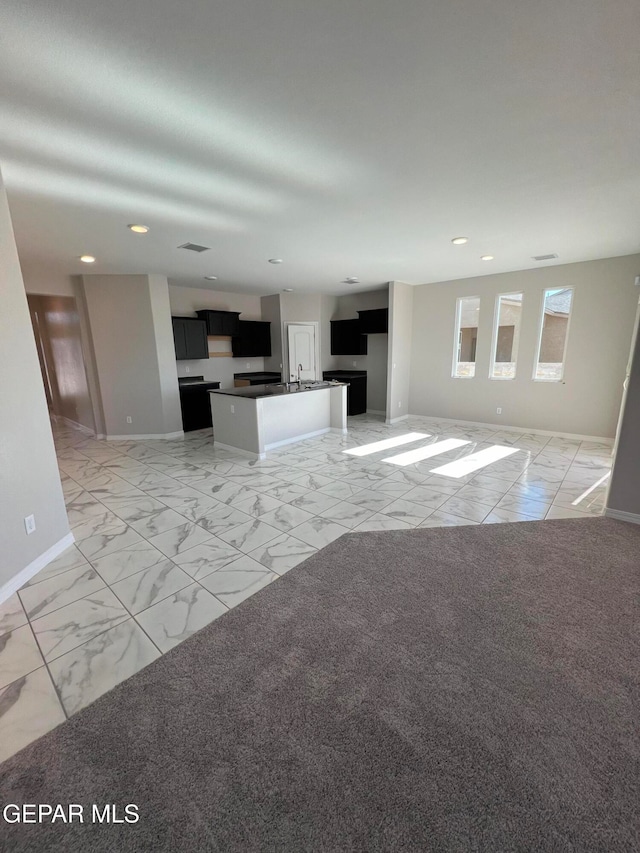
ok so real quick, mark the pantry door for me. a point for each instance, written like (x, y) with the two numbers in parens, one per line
(303, 350)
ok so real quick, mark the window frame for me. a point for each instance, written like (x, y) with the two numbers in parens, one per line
(536, 359)
(494, 337)
(456, 336)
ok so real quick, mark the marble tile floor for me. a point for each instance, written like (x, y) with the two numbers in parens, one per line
(171, 534)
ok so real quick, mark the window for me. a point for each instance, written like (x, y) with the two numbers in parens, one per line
(554, 329)
(506, 336)
(466, 337)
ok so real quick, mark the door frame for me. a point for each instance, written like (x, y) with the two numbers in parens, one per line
(316, 335)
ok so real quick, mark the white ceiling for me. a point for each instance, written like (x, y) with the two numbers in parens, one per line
(348, 137)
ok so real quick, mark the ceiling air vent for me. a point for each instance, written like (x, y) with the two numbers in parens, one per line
(543, 257)
(193, 247)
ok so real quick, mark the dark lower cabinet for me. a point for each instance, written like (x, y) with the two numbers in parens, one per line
(347, 339)
(254, 339)
(195, 404)
(357, 390)
(224, 323)
(190, 338)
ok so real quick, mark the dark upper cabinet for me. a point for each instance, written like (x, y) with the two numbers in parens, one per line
(225, 323)
(253, 339)
(375, 321)
(347, 339)
(190, 338)
(179, 338)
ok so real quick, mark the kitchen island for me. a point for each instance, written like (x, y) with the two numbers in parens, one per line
(260, 418)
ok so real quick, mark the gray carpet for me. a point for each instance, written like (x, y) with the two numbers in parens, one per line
(458, 689)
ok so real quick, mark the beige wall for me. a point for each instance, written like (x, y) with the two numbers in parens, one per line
(300, 308)
(56, 325)
(41, 277)
(165, 353)
(330, 306)
(375, 361)
(30, 479)
(270, 308)
(586, 402)
(401, 307)
(624, 491)
(91, 370)
(185, 301)
(132, 340)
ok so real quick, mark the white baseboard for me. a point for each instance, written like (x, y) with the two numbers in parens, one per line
(75, 425)
(398, 420)
(60, 419)
(276, 444)
(297, 438)
(35, 566)
(621, 515)
(248, 453)
(497, 427)
(142, 436)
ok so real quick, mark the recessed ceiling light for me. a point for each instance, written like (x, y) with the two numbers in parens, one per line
(486, 257)
(288, 290)
(460, 241)
(87, 259)
(211, 277)
(139, 229)
(275, 260)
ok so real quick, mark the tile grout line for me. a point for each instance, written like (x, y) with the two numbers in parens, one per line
(46, 664)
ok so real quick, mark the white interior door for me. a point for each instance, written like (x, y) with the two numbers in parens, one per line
(302, 351)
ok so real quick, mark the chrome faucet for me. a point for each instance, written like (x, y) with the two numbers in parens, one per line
(299, 369)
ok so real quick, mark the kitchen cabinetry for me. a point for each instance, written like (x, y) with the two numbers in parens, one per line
(357, 390)
(346, 338)
(221, 323)
(374, 321)
(253, 339)
(194, 402)
(190, 338)
(262, 377)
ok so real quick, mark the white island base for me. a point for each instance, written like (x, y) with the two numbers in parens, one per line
(244, 419)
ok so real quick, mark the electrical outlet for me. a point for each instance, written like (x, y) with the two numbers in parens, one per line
(233, 410)
(498, 411)
(355, 363)
(187, 369)
(248, 364)
(30, 524)
(129, 419)
(399, 404)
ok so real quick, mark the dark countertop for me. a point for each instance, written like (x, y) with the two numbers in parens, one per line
(256, 391)
(196, 382)
(345, 374)
(258, 374)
